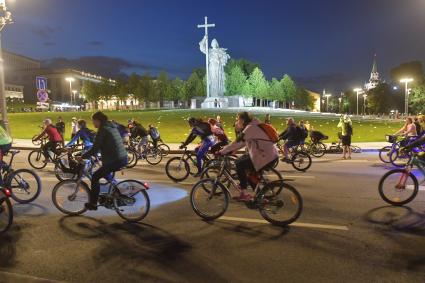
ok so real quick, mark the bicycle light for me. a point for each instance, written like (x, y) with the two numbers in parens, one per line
(6, 192)
(146, 185)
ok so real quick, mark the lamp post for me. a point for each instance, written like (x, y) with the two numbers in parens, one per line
(5, 18)
(327, 101)
(364, 103)
(406, 81)
(74, 92)
(358, 91)
(70, 80)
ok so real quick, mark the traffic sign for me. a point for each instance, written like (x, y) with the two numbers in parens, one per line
(41, 83)
(42, 95)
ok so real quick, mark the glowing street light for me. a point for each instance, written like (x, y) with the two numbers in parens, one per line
(358, 91)
(327, 95)
(406, 81)
(70, 80)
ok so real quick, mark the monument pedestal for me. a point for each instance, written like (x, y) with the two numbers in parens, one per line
(215, 102)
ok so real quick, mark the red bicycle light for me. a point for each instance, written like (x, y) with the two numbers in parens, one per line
(146, 185)
(7, 192)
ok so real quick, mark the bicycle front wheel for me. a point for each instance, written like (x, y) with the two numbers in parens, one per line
(164, 148)
(384, 154)
(153, 156)
(209, 199)
(131, 202)
(69, 197)
(399, 159)
(6, 214)
(25, 185)
(398, 187)
(280, 203)
(36, 159)
(177, 169)
(301, 161)
(317, 149)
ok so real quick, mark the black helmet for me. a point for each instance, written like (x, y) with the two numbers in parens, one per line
(192, 120)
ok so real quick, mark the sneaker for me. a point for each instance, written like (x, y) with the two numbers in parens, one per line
(90, 206)
(243, 197)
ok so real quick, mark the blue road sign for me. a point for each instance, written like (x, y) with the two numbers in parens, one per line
(41, 83)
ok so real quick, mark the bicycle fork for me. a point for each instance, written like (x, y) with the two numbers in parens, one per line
(401, 185)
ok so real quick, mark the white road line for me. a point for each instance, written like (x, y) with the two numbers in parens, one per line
(296, 224)
(342, 160)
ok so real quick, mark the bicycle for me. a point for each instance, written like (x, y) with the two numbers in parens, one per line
(6, 210)
(24, 184)
(400, 186)
(38, 160)
(152, 155)
(163, 147)
(119, 196)
(299, 158)
(209, 198)
(396, 158)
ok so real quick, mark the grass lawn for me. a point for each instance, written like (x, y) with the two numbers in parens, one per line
(173, 126)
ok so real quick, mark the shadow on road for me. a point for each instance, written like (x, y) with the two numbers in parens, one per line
(30, 209)
(139, 251)
(8, 243)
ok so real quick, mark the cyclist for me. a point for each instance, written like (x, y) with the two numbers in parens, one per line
(409, 128)
(85, 134)
(5, 145)
(137, 130)
(219, 134)
(291, 136)
(114, 156)
(55, 138)
(154, 134)
(262, 152)
(60, 125)
(203, 130)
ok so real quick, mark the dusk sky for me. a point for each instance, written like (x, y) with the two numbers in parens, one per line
(326, 43)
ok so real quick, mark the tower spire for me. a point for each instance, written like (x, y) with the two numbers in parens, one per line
(375, 65)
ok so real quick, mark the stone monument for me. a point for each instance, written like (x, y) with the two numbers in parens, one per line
(215, 60)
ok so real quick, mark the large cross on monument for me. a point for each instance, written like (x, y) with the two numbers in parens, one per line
(206, 25)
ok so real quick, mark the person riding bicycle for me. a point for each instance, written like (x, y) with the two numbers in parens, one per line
(154, 134)
(137, 130)
(55, 138)
(262, 152)
(291, 135)
(85, 134)
(219, 134)
(5, 145)
(203, 130)
(114, 156)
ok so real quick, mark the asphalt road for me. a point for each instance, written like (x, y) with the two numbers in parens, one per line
(345, 234)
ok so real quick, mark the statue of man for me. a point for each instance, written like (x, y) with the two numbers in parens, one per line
(217, 60)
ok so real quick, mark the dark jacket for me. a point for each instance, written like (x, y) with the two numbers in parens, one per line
(109, 143)
(138, 131)
(290, 134)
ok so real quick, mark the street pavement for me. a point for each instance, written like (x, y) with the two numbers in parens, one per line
(346, 233)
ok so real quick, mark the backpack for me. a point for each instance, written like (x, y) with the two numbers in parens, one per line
(299, 133)
(349, 129)
(304, 133)
(270, 131)
(154, 133)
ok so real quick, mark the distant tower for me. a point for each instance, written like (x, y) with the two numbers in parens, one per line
(374, 80)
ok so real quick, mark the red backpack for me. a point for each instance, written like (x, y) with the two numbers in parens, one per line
(270, 131)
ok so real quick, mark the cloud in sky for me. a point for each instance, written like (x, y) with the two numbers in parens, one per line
(45, 32)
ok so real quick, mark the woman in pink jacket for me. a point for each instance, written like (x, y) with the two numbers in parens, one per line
(262, 152)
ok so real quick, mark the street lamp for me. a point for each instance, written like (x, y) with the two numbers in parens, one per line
(327, 95)
(364, 103)
(358, 91)
(406, 81)
(5, 19)
(70, 80)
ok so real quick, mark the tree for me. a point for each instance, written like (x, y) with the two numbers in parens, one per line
(121, 89)
(276, 90)
(303, 99)
(193, 87)
(379, 99)
(289, 88)
(256, 85)
(91, 92)
(163, 87)
(177, 90)
(146, 90)
(235, 81)
(417, 99)
(246, 66)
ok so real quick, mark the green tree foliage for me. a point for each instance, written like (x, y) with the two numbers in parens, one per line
(417, 99)
(90, 91)
(303, 99)
(121, 89)
(146, 90)
(379, 99)
(194, 86)
(163, 87)
(410, 69)
(256, 85)
(235, 81)
(177, 90)
(246, 66)
(289, 88)
(276, 90)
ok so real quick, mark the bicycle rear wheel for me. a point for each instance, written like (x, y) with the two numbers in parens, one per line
(164, 148)
(36, 159)
(384, 154)
(399, 159)
(280, 203)
(301, 161)
(209, 199)
(317, 149)
(69, 197)
(132, 158)
(132, 203)
(24, 184)
(153, 156)
(398, 187)
(6, 214)
(177, 169)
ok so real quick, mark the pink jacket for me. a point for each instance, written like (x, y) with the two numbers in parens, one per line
(261, 149)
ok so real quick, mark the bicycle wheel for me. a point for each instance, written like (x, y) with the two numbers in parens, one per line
(317, 149)
(301, 161)
(280, 203)
(61, 176)
(192, 163)
(209, 199)
(356, 149)
(164, 148)
(132, 202)
(399, 159)
(398, 187)
(36, 159)
(153, 156)
(132, 157)
(384, 154)
(24, 185)
(177, 169)
(272, 175)
(6, 214)
(69, 196)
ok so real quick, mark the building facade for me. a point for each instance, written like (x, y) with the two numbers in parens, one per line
(374, 79)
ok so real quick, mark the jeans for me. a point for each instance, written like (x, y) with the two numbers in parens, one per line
(143, 142)
(104, 172)
(202, 150)
(50, 146)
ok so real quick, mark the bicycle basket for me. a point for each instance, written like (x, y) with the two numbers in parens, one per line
(391, 138)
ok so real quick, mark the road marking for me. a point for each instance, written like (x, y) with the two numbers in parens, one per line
(342, 160)
(296, 224)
